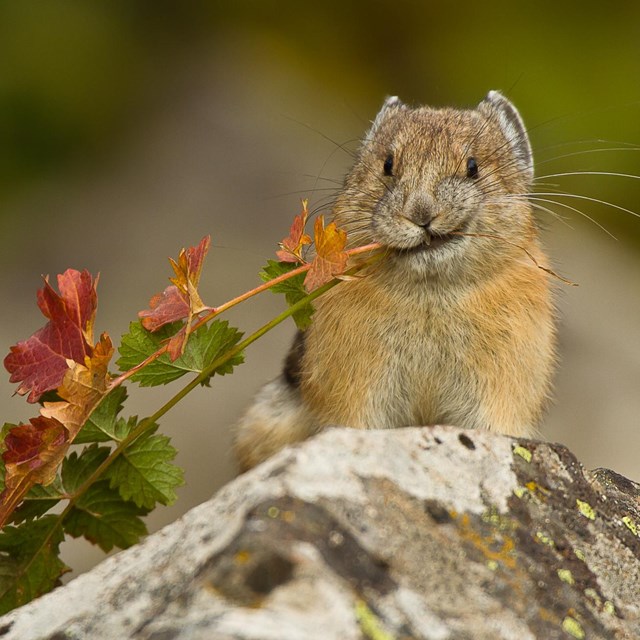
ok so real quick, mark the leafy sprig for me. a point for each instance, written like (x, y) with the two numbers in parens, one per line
(104, 472)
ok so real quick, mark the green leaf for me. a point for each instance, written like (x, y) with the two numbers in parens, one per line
(143, 472)
(293, 289)
(204, 346)
(29, 563)
(76, 469)
(104, 518)
(102, 425)
(38, 501)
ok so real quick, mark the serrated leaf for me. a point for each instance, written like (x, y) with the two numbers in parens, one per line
(38, 501)
(331, 258)
(32, 455)
(102, 425)
(104, 518)
(181, 300)
(40, 363)
(76, 469)
(29, 563)
(144, 474)
(293, 289)
(83, 388)
(291, 246)
(204, 346)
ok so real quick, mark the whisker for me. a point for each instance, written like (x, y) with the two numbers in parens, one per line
(590, 199)
(582, 213)
(591, 173)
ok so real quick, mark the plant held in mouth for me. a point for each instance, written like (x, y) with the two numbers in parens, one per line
(103, 471)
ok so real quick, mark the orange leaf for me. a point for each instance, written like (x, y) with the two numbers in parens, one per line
(291, 246)
(181, 300)
(331, 258)
(32, 456)
(82, 389)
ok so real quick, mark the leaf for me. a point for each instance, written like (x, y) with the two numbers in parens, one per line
(105, 519)
(331, 258)
(103, 424)
(38, 501)
(29, 563)
(32, 456)
(34, 451)
(76, 469)
(40, 363)
(205, 345)
(143, 473)
(166, 307)
(181, 300)
(291, 246)
(293, 289)
(82, 389)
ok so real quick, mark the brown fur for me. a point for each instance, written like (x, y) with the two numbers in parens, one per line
(458, 332)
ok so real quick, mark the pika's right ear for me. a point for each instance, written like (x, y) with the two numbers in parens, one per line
(391, 105)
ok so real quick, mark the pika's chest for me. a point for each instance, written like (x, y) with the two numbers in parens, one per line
(374, 355)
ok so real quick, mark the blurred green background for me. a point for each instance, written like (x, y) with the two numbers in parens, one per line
(131, 129)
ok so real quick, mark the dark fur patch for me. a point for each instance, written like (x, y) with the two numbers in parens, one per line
(293, 363)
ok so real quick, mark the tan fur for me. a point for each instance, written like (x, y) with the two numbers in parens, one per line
(460, 333)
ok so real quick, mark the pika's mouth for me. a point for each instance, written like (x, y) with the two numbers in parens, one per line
(433, 241)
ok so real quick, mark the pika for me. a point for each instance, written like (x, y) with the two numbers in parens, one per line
(456, 324)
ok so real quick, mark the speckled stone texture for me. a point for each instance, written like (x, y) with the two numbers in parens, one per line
(434, 533)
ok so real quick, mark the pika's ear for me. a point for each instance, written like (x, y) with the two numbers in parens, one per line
(495, 105)
(391, 105)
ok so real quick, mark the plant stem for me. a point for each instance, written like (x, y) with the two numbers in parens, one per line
(148, 423)
(228, 305)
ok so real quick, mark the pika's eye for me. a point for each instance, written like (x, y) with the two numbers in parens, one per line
(472, 168)
(388, 165)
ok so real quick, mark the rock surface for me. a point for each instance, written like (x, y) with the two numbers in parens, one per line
(434, 533)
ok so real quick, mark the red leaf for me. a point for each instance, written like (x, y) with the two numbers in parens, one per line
(291, 246)
(166, 307)
(33, 453)
(40, 363)
(180, 300)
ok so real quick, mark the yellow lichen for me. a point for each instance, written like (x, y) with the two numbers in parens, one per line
(566, 576)
(493, 517)
(521, 451)
(573, 627)
(586, 509)
(241, 557)
(545, 539)
(609, 607)
(631, 525)
(519, 492)
(273, 512)
(579, 554)
(370, 623)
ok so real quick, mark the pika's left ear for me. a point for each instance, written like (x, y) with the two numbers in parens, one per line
(495, 105)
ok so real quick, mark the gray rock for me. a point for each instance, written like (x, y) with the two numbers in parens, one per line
(434, 533)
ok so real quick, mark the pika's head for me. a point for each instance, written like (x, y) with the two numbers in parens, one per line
(424, 178)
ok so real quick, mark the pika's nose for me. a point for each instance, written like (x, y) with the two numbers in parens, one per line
(419, 209)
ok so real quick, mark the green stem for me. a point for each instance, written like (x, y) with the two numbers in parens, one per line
(147, 423)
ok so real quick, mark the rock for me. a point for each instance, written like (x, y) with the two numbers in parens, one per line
(434, 533)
